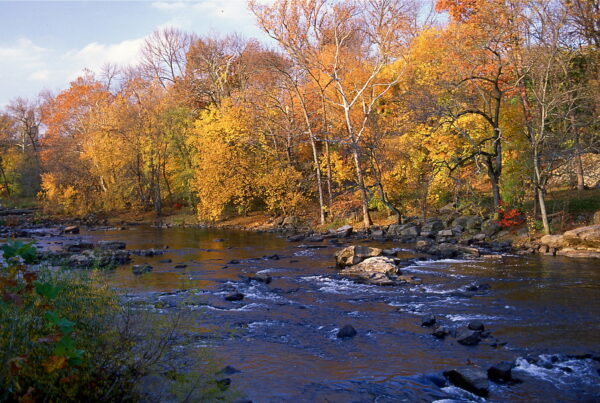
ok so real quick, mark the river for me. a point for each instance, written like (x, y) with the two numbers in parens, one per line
(282, 335)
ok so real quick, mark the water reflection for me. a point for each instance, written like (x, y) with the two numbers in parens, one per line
(284, 332)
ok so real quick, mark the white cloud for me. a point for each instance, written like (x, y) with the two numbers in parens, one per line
(94, 55)
(39, 75)
(24, 48)
(166, 5)
(26, 68)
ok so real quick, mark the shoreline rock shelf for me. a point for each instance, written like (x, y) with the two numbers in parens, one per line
(582, 242)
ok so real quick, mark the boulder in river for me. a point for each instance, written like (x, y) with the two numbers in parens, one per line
(473, 378)
(259, 277)
(377, 270)
(71, 229)
(428, 321)
(476, 325)
(355, 254)
(346, 332)
(234, 296)
(469, 338)
(501, 372)
(440, 333)
(449, 250)
(78, 246)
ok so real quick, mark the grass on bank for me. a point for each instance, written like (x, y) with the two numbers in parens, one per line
(66, 337)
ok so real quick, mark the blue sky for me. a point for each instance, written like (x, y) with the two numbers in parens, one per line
(46, 44)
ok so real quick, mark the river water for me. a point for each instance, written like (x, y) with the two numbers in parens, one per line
(282, 335)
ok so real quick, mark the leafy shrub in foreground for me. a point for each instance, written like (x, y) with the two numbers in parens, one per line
(66, 337)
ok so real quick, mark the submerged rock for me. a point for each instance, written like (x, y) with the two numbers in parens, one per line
(111, 245)
(228, 370)
(141, 269)
(346, 332)
(89, 259)
(147, 252)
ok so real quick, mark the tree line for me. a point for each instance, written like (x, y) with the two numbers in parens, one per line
(352, 105)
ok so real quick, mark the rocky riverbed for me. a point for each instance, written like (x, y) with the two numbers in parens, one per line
(472, 322)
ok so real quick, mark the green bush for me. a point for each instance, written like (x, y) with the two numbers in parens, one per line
(66, 336)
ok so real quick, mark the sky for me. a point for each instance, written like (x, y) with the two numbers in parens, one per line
(47, 44)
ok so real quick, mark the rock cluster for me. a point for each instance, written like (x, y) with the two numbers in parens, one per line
(371, 266)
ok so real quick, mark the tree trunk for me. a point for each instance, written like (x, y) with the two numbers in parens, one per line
(319, 184)
(579, 164)
(4, 179)
(363, 190)
(539, 188)
(329, 187)
(315, 155)
(494, 175)
(542, 202)
(391, 208)
(578, 161)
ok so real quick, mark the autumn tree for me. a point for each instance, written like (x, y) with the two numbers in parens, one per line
(480, 77)
(164, 55)
(547, 63)
(349, 44)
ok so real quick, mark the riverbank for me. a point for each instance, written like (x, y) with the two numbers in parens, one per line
(446, 235)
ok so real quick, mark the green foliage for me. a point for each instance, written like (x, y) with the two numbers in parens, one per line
(66, 337)
(16, 249)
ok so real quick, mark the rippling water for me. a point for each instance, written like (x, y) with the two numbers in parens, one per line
(282, 335)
